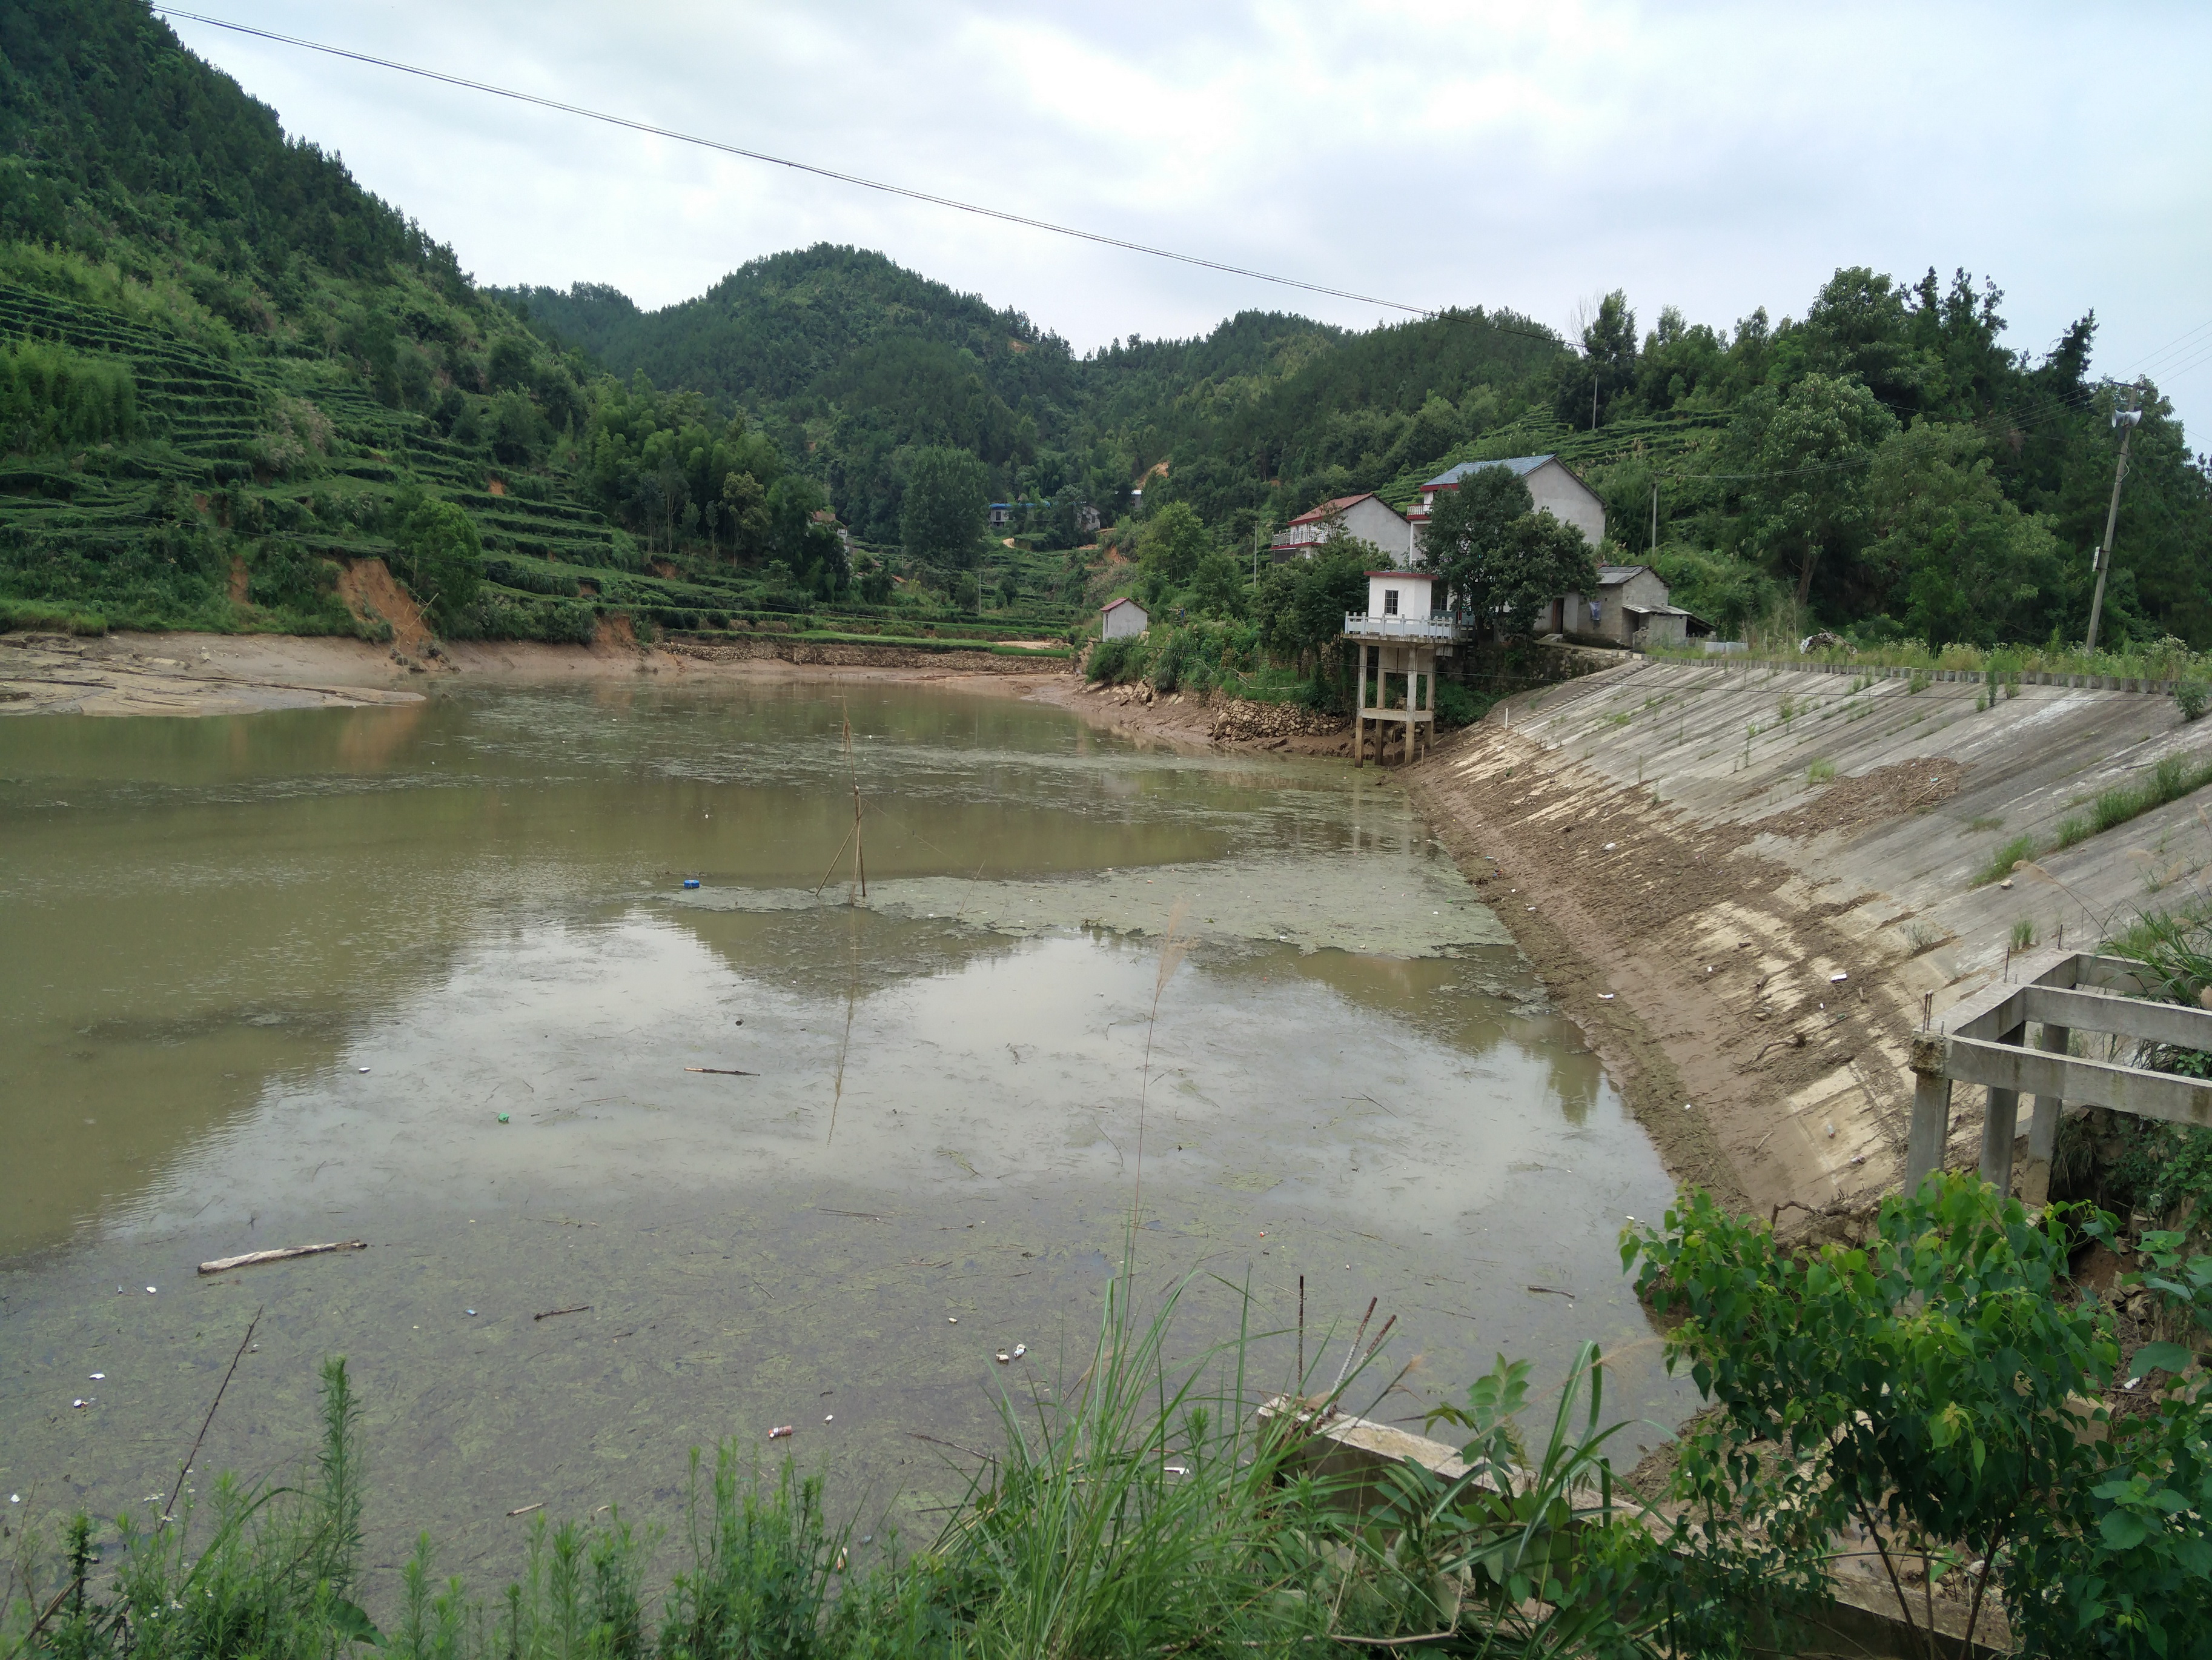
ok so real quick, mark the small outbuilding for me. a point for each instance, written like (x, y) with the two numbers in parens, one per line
(1630, 607)
(1123, 619)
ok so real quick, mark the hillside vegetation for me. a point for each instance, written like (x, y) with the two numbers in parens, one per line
(226, 371)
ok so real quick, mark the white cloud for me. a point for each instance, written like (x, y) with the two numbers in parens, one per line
(1716, 156)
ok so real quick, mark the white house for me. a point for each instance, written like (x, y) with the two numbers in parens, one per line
(1369, 518)
(1551, 486)
(1123, 618)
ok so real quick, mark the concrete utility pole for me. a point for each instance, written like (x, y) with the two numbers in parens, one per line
(1654, 515)
(2127, 420)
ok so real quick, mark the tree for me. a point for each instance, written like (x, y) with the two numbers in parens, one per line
(1810, 451)
(1467, 526)
(440, 558)
(744, 516)
(1300, 604)
(1607, 369)
(1973, 567)
(1217, 586)
(1502, 561)
(941, 520)
(1171, 545)
(1541, 558)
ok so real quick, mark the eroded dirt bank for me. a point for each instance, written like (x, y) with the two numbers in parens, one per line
(1743, 884)
(188, 674)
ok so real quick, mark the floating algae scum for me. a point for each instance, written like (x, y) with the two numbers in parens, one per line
(427, 977)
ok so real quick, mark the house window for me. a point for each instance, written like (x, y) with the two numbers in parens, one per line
(1390, 602)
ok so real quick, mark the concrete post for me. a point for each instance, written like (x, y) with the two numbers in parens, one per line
(2043, 1126)
(1931, 1127)
(2000, 1124)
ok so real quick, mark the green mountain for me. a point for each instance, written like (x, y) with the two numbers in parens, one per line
(228, 374)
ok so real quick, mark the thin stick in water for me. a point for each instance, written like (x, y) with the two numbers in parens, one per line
(170, 1509)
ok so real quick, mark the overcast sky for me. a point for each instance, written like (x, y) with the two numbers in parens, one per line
(1718, 157)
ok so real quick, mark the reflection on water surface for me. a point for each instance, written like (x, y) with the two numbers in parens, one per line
(428, 977)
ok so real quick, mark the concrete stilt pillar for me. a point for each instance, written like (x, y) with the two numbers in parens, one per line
(2043, 1126)
(1931, 1127)
(2000, 1124)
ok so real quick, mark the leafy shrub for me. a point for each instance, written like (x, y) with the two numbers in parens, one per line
(1115, 660)
(1458, 706)
(298, 589)
(1890, 1377)
(531, 575)
(439, 556)
(496, 616)
(2189, 696)
(51, 396)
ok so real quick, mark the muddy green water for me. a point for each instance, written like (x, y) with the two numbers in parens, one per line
(428, 977)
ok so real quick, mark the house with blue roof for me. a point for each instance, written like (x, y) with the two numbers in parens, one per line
(1553, 488)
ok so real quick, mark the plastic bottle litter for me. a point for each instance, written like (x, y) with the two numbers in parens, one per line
(779, 1431)
(100, 1377)
(690, 881)
(1020, 1349)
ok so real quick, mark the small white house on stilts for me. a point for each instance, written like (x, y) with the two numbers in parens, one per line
(1399, 637)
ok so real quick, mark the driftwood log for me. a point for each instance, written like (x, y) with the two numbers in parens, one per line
(224, 1264)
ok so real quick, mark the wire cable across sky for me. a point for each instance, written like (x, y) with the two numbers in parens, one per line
(738, 150)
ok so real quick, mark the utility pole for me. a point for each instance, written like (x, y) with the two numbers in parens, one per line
(2127, 420)
(1654, 515)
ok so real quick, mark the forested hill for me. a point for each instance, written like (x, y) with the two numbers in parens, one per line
(228, 374)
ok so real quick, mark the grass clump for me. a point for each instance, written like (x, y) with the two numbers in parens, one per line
(2002, 861)
(1820, 772)
(2173, 777)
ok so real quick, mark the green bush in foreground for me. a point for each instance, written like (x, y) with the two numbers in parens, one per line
(1934, 1388)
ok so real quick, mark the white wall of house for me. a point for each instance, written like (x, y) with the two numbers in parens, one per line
(1376, 522)
(1565, 497)
(1395, 594)
(1368, 519)
(1122, 620)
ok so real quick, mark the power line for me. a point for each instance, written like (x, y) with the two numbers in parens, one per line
(911, 194)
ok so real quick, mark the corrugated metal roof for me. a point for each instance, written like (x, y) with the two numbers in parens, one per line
(1117, 604)
(1608, 574)
(1520, 465)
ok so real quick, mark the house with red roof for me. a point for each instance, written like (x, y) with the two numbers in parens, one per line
(1367, 518)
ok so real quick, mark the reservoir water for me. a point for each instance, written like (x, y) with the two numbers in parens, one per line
(641, 1166)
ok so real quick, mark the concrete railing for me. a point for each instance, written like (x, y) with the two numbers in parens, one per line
(1364, 625)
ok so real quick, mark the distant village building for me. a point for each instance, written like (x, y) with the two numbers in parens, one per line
(1086, 519)
(1399, 638)
(824, 516)
(1368, 518)
(1630, 608)
(1551, 486)
(1122, 618)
